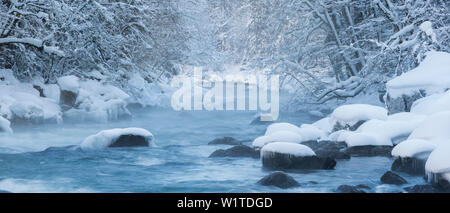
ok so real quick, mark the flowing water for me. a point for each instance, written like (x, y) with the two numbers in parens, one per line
(46, 158)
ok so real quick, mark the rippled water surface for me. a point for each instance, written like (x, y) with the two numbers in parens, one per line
(46, 158)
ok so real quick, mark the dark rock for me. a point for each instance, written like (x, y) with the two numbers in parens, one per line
(41, 91)
(236, 151)
(313, 182)
(328, 149)
(285, 161)
(369, 151)
(67, 99)
(226, 141)
(403, 103)
(362, 186)
(392, 178)
(437, 180)
(279, 179)
(338, 126)
(130, 141)
(349, 189)
(408, 165)
(426, 188)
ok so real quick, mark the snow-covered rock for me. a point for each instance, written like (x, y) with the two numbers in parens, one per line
(307, 132)
(435, 128)
(325, 124)
(146, 94)
(353, 115)
(21, 103)
(413, 148)
(5, 125)
(279, 136)
(282, 127)
(430, 77)
(127, 137)
(437, 166)
(432, 104)
(283, 155)
(98, 102)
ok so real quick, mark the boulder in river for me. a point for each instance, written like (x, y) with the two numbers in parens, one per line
(128, 137)
(369, 151)
(236, 151)
(283, 155)
(410, 165)
(226, 141)
(392, 178)
(351, 189)
(425, 188)
(279, 179)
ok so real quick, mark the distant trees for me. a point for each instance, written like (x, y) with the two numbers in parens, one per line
(337, 49)
(51, 38)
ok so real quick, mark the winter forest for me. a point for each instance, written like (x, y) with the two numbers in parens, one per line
(86, 88)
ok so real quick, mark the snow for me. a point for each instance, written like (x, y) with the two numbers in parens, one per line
(52, 91)
(285, 136)
(427, 27)
(69, 83)
(147, 94)
(98, 102)
(22, 102)
(106, 137)
(432, 104)
(413, 148)
(325, 124)
(350, 114)
(282, 127)
(364, 139)
(435, 128)
(294, 149)
(5, 125)
(439, 159)
(310, 132)
(432, 76)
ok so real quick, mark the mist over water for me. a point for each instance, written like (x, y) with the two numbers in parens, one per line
(46, 158)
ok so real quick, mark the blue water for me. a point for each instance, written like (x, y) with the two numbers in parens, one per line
(46, 158)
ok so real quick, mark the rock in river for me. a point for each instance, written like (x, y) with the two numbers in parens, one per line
(128, 137)
(392, 178)
(226, 141)
(236, 151)
(279, 179)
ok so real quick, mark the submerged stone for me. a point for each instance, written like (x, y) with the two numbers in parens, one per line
(392, 178)
(279, 179)
(350, 189)
(236, 151)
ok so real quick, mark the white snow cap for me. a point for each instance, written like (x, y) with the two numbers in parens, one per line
(350, 114)
(413, 148)
(5, 125)
(434, 129)
(282, 127)
(294, 149)
(286, 136)
(69, 83)
(364, 139)
(432, 75)
(106, 137)
(432, 104)
(439, 159)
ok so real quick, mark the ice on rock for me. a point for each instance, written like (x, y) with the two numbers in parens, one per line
(414, 148)
(279, 136)
(5, 125)
(438, 164)
(353, 139)
(109, 138)
(293, 149)
(432, 75)
(353, 113)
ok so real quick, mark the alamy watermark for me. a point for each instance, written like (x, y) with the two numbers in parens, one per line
(256, 92)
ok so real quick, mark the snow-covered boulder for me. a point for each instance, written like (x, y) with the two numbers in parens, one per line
(69, 86)
(5, 125)
(98, 102)
(430, 134)
(432, 104)
(285, 136)
(330, 149)
(306, 131)
(365, 143)
(282, 127)
(437, 166)
(128, 137)
(430, 77)
(146, 94)
(282, 155)
(351, 116)
(21, 103)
